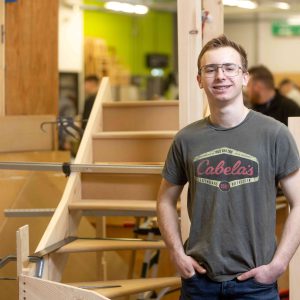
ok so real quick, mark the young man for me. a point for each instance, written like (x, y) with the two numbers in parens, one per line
(91, 86)
(266, 99)
(232, 161)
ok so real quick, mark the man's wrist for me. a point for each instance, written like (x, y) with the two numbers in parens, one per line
(278, 266)
(177, 251)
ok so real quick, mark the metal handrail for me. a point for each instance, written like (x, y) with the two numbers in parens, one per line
(6, 259)
(67, 168)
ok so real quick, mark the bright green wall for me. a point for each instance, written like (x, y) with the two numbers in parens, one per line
(133, 36)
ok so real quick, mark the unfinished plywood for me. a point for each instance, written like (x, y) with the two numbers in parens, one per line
(2, 58)
(132, 146)
(31, 57)
(120, 186)
(24, 133)
(63, 223)
(90, 245)
(141, 115)
(25, 189)
(116, 184)
(126, 287)
(32, 288)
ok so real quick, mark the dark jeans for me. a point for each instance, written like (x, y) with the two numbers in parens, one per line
(200, 287)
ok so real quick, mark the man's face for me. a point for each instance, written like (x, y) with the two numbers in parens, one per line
(90, 87)
(286, 88)
(253, 91)
(222, 88)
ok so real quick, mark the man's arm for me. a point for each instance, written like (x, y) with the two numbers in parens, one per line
(170, 229)
(290, 239)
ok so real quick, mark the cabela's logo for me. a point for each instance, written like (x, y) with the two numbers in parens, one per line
(226, 168)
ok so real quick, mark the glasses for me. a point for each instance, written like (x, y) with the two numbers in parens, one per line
(228, 69)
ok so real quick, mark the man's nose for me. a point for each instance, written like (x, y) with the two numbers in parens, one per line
(220, 72)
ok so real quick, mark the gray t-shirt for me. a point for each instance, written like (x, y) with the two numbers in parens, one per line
(232, 175)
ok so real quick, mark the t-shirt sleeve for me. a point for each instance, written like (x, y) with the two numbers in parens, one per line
(287, 155)
(174, 170)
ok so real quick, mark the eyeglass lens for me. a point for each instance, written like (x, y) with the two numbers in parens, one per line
(228, 69)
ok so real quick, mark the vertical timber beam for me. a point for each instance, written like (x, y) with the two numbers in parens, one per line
(213, 19)
(2, 58)
(193, 17)
(212, 26)
(190, 96)
(189, 46)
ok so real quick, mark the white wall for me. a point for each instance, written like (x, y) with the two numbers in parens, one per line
(244, 33)
(70, 42)
(279, 54)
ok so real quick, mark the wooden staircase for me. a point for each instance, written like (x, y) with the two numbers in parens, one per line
(130, 142)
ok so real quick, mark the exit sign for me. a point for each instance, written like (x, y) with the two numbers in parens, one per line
(285, 29)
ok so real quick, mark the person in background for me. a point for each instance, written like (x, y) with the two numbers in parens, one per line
(91, 86)
(265, 99)
(67, 111)
(289, 89)
(231, 161)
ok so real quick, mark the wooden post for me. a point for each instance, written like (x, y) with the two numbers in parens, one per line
(2, 57)
(212, 26)
(192, 105)
(22, 249)
(190, 96)
(189, 46)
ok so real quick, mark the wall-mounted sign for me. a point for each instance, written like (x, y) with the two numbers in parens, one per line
(285, 29)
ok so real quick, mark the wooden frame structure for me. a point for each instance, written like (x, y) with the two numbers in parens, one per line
(205, 21)
(2, 58)
(65, 221)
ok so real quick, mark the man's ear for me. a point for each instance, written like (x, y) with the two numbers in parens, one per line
(199, 81)
(245, 78)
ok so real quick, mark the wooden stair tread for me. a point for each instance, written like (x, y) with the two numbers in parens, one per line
(135, 134)
(141, 103)
(132, 205)
(128, 287)
(90, 245)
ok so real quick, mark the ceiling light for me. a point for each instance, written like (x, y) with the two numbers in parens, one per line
(282, 5)
(230, 2)
(295, 20)
(241, 3)
(247, 4)
(141, 9)
(126, 7)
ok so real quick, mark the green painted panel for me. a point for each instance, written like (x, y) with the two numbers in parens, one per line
(284, 29)
(133, 36)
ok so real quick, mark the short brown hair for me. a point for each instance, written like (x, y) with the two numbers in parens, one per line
(221, 42)
(262, 73)
(92, 78)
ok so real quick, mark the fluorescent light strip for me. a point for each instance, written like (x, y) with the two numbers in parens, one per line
(241, 3)
(126, 7)
(282, 5)
(295, 20)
